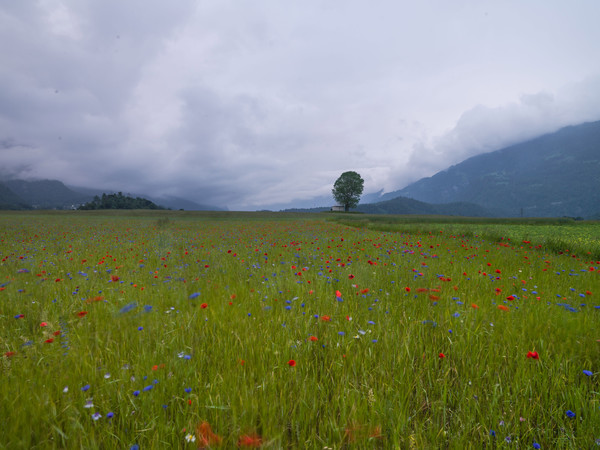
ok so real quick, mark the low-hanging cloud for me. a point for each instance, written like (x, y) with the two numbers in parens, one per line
(250, 106)
(483, 129)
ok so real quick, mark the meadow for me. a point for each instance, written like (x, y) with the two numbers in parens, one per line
(160, 330)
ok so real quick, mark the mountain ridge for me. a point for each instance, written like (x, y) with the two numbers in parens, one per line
(556, 174)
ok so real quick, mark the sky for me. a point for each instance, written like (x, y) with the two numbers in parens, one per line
(260, 104)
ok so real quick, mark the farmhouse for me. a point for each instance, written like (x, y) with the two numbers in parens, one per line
(337, 208)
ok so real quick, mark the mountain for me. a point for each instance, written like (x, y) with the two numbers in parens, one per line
(557, 174)
(46, 194)
(53, 194)
(183, 203)
(404, 205)
(10, 200)
(166, 202)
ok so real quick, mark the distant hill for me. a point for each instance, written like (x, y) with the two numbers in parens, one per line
(182, 203)
(53, 194)
(118, 201)
(556, 174)
(404, 205)
(170, 202)
(46, 194)
(10, 200)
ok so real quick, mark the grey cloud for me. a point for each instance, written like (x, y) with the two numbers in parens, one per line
(253, 105)
(483, 129)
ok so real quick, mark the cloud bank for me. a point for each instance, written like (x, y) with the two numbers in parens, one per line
(254, 105)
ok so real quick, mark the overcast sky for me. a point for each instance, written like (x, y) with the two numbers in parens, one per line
(248, 104)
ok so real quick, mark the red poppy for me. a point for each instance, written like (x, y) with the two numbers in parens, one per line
(49, 341)
(291, 363)
(114, 278)
(9, 354)
(56, 333)
(313, 338)
(206, 436)
(82, 313)
(43, 324)
(351, 276)
(503, 308)
(473, 305)
(203, 306)
(249, 440)
(326, 318)
(376, 432)
(338, 294)
(510, 298)
(533, 355)
(442, 356)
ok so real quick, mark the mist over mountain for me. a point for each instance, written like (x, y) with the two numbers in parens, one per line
(553, 175)
(53, 194)
(556, 174)
(46, 194)
(10, 200)
(404, 205)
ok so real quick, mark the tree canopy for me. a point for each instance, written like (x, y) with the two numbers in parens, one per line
(347, 189)
(119, 201)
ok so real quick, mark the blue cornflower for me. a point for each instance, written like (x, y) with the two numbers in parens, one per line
(588, 373)
(536, 445)
(492, 433)
(110, 415)
(140, 328)
(188, 390)
(148, 388)
(570, 414)
(136, 393)
(85, 388)
(194, 295)
(128, 308)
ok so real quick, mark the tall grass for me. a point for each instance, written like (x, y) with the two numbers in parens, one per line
(559, 235)
(171, 325)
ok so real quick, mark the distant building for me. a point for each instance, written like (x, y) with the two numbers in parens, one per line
(338, 208)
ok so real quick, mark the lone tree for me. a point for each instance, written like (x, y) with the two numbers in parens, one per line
(347, 189)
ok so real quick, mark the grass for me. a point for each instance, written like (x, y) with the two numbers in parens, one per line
(176, 325)
(559, 235)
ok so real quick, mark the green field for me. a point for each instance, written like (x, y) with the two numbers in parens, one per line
(203, 330)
